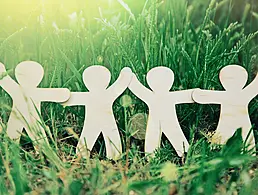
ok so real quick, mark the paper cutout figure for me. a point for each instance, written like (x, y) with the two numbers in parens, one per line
(234, 102)
(99, 115)
(27, 100)
(162, 110)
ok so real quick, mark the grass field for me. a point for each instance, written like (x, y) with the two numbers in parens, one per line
(193, 38)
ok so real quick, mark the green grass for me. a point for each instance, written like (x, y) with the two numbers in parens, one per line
(195, 39)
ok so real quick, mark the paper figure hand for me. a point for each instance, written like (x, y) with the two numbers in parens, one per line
(3, 72)
(77, 99)
(58, 95)
(7, 83)
(126, 71)
(252, 89)
(120, 85)
(184, 96)
(2, 68)
(201, 96)
(140, 90)
(125, 76)
(134, 79)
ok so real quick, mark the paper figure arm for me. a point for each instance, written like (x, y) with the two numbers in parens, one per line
(7, 83)
(184, 96)
(52, 94)
(121, 83)
(77, 99)
(140, 90)
(208, 96)
(252, 89)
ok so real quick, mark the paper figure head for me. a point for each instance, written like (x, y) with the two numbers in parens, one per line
(233, 77)
(96, 78)
(29, 73)
(160, 79)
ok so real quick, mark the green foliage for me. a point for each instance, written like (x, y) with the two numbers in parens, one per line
(193, 38)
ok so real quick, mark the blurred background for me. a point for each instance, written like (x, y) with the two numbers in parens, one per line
(22, 20)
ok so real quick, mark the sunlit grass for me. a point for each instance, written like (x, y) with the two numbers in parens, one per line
(195, 39)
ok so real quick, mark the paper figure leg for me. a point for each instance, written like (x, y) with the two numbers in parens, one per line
(14, 127)
(227, 128)
(87, 139)
(37, 134)
(113, 142)
(250, 141)
(153, 136)
(176, 137)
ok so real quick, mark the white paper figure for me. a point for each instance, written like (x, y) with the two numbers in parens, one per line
(99, 115)
(162, 111)
(234, 102)
(27, 100)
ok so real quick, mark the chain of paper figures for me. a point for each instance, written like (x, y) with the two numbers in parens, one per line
(99, 117)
